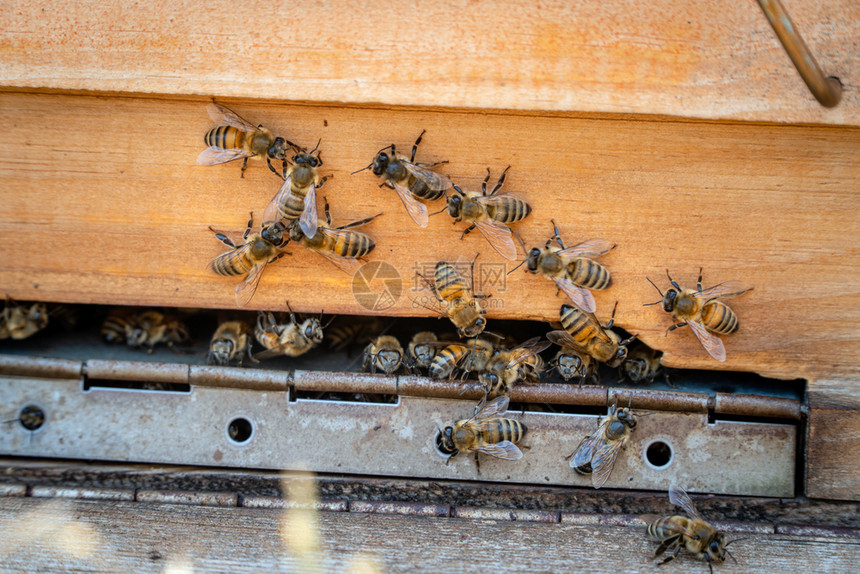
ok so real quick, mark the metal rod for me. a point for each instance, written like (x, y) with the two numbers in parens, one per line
(827, 90)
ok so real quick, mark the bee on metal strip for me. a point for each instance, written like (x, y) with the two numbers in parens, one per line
(484, 433)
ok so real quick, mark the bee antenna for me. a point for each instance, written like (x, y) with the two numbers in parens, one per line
(316, 147)
(438, 212)
(330, 321)
(736, 540)
(362, 169)
(498, 336)
(732, 555)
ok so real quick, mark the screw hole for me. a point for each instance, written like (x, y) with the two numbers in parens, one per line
(658, 454)
(240, 430)
(31, 417)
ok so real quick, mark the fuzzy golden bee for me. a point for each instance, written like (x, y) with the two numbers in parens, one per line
(230, 342)
(700, 309)
(237, 138)
(572, 269)
(571, 361)
(468, 356)
(691, 533)
(643, 365)
(490, 214)
(22, 321)
(412, 181)
(422, 349)
(250, 258)
(152, 328)
(484, 433)
(384, 353)
(458, 302)
(297, 199)
(597, 453)
(507, 367)
(291, 339)
(588, 336)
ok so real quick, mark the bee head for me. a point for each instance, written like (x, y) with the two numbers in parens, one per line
(445, 441)
(304, 158)
(627, 417)
(272, 234)
(532, 260)
(278, 149)
(668, 298)
(474, 329)
(311, 329)
(455, 202)
(635, 369)
(717, 548)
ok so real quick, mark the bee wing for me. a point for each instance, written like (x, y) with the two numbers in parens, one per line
(246, 289)
(586, 449)
(223, 115)
(308, 220)
(505, 449)
(495, 407)
(565, 339)
(348, 265)
(604, 461)
(529, 348)
(273, 211)
(580, 297)
(433, 180)
(215, 155)
(679, 497)
(727, 289)
(590, 248)
(275, 351)
(712, 344)
(416, 210)
(499, 237)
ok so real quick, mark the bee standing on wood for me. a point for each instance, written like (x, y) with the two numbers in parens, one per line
(596, 454)
(237, 138)
(588, 336)
(700, 309)
(458, 301)
(412, 181)
(490, 213)
(483, 433)
(297, 198)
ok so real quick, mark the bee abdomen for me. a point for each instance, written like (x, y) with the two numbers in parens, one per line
(576, 323)
(420, 189)
(505, 429)
(510, 210)
(225, 137)
(719, 318)
(353, 244)
(589, 274)
(293, 207)
(231, 264)
(448, 282)
(658, 530)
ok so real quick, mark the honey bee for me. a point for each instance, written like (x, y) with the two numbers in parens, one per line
(422, 349)
(484, 434)
(691, 533)
(411, 180)
(22, 321)
(571, 361)
(383, 353)
(340, 245)
(116, 324)
(152, 328)
(231, 341)
(469, 356)
(297, 199)
(588, 336)
(699, 309)
(250, 258)
(490, 213)
(643, 364)
(237, 138)
(291, 339)
(596, 454)
(571, 269)
(507, 367)
(460, 304)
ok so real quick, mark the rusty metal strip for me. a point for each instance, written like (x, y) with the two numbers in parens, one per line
(397, 507)
(230, 377)
(13, 490)
(756, 406)
(41, 367)
(187, 497)
(512, 514)
(276, 502)
(137, 371)
(647, 399)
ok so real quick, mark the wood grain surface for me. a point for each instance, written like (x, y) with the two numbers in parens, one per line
(695, 59)
(108, 536)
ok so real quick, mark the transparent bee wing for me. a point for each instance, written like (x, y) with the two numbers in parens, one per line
(579, 296)
(712, 344)
(348, 265)
(586, 449)
(727, 289)
(223, 115)
(604, 461)
(495, 407)
(215, 155)
(564, 339)
(246, 289)
(308, 220)
(433, 180)
(505, 449)
(679, 497)
(590, 248)
(416, 210)
(272, 213)
(528, 349)
(499, 236)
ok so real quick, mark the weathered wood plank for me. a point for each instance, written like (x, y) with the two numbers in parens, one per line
(833, 454)
(693, 59)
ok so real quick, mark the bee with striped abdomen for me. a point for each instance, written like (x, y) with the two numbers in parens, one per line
(490, 213)
(596, 454)
(468, 356)
(412, 181)
(458, 302)
(349, 330)
(152, 328)
(571, 360)
(237, 138)
(483, 433)
(588, 336)
(22, 321)
(700, 309)
(572, 269)
(506, 367)
(230, 342)
(384, 353)
(297, 198)
(250, 258)
(691, 533)
(290, 339)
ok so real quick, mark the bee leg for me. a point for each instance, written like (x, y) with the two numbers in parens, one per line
(467, 231)
(327, 213)
(323, 179)
(675, 326)
(250, 225)
(251, 355)
(501, 181)
(415, 146)
(699, 287)
(484, 183)
(556, 236)
(666, 544)
(707, 556)
(271, 167)
(222, 238)
(477, 463)
(244, 167)
(612, 317)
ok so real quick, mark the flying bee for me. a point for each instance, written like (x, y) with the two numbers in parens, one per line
(643, 364)
(691, 533)
(484, 433)
(422, 349)
(291, 339)
(588, 336)
(297, 198)
(152, 328)
(230, 342)
(21, 321)
(507, 367)
(383, 353)
(490, 213)
(468, 356)
(340, 245)
(596, 454)
(699, 309)
(571, 360)
(571, 269)
(459, 302)
(237, 138)
(412, 181)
